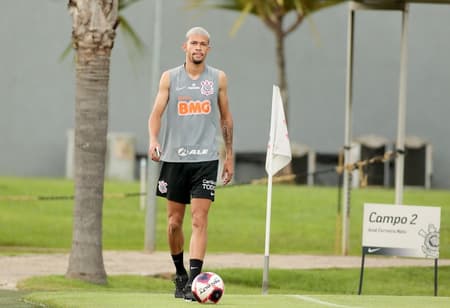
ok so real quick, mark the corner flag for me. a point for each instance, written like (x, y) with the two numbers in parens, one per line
(279, 147)
(278, 156)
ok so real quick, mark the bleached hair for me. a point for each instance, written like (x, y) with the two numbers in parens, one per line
(197, 30)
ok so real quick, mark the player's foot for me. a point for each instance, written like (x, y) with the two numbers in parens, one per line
(180, 282)
(188, 296)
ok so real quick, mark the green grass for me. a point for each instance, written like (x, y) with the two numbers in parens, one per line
(303, 218)
(303, 221)
(137, 300)
(377, 281)
(13, 299)
(288, 288)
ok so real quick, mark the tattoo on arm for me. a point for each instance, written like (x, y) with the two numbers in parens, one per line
(227, 133)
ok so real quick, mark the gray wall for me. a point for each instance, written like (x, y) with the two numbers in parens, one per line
(37, 91)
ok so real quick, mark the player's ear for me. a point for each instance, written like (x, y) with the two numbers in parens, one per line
(184, 46)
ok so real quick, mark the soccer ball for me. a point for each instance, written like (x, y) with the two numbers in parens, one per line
(208, 287)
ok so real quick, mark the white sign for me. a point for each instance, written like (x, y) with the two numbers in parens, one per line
(401, 230)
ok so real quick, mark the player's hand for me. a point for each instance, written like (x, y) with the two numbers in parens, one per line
(228, 170)
(154, 151)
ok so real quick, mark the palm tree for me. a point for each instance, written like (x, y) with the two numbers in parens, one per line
(93, 32)
(272, 13)
(127, 30)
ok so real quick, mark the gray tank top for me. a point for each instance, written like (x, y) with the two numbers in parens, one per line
(192, 118)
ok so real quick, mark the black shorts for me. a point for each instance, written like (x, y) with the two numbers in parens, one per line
(180, 182)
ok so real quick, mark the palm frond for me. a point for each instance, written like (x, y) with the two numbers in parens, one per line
(312, 6)
(130, 34)
(298, 6)
(238, 23)
(66, 52)
(128, 31)
(314, 31)
(126, 3)
(233, 5)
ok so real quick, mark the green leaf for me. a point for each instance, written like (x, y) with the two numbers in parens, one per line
(240, 20)
(126, 3)
(66, 52)
(131, 34)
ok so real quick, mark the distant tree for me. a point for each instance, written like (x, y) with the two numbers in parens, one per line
(273, 14)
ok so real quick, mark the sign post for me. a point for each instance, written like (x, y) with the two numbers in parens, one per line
(400, 230)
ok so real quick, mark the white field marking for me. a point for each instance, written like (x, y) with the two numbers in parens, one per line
(318, 301)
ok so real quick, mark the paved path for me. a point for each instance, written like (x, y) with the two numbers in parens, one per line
(16, 268)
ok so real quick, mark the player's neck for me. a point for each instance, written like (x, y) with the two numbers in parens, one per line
(194, 70)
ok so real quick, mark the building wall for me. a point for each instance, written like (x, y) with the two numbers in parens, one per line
(37, 90)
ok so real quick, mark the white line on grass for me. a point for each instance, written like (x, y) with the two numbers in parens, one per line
(318, 301)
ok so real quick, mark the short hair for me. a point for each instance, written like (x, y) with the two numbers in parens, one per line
(197, 30)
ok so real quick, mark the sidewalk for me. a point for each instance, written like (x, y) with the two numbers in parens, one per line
(16, 268)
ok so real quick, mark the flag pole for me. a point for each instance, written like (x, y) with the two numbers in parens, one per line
(265, 282)
(278, 156)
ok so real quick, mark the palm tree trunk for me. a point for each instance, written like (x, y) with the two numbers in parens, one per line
(91, 122)
(94, 23)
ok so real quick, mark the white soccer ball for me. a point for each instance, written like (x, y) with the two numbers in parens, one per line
(208, 287)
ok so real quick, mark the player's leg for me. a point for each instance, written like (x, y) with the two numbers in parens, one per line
(175, 236)
(175, 217)
(203, 191)
(199, 237)
(172, 186)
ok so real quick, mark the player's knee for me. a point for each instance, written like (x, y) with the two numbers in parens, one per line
(174, 227)
(175, 219)
(199, 222)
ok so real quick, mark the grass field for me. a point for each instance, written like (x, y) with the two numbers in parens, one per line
(303, 218)
(108, 299)
(303, 222)
(378, 281)
(387, 287)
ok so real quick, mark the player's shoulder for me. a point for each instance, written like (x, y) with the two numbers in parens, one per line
(217, 72)
(214, 69)
(174, 70)
(170, 73)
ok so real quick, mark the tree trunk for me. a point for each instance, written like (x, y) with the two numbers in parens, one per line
(94, 23)
(281, 65)
(282, 79)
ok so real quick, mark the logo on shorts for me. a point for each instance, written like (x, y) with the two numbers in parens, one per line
(209, 185)
(162, 187)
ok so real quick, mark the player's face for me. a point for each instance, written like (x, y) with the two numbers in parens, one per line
(196, 48)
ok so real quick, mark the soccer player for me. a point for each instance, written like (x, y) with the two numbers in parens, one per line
(195, 100)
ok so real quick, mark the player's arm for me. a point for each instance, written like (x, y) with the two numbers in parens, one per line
(226, 124)
(154, 120)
